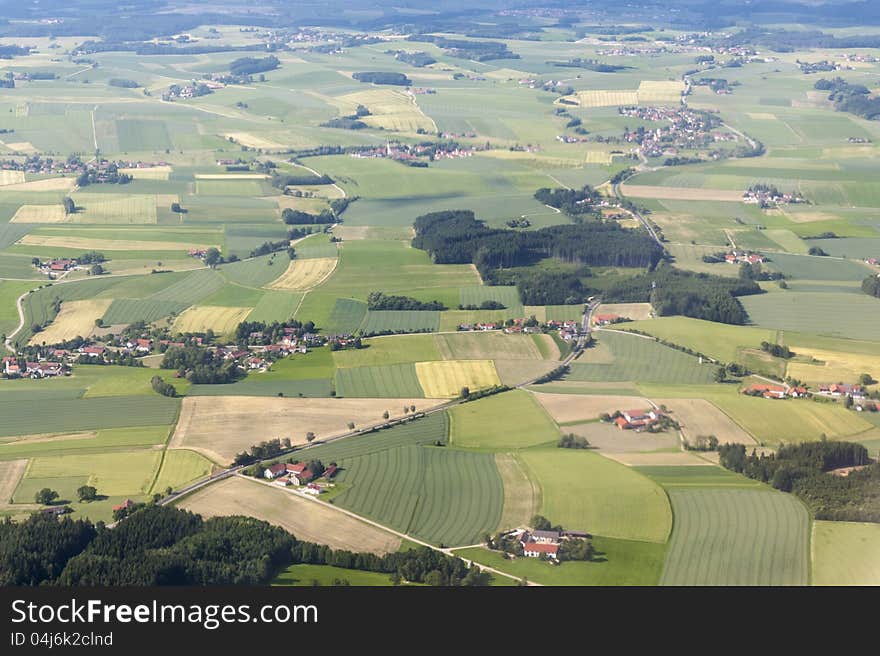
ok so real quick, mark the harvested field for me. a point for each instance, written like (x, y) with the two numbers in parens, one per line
(307, 519)
(512, 420)
(390, 109)
(219, 427)
(11, 178)
(634, 311)
(40, 214)
(88, 243)
(77, 318)
(699, 417)
(601, 98)
(47, 184)
(25, 147)
(515, 372)
(611, 441)
(114, 208)
(522, 495)
(680, 193)
(830, 366)
(149, 173)
(844, 553)
(445, 379)
(565, 408)
(305, 274)
(253, 141)
(11, 472)
(222, 320)
(660, 91)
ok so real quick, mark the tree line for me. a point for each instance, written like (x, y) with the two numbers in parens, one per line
(382, 301)
(158, 545)
(803, 469)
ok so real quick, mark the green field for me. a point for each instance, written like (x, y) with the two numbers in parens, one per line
(638, 359)
(400, 321)
(324, 575)
(390, 381)
(511, 420)
(737, 537)
(852, 316)
(390, 349)
(180, 467)
(618, 562)
(845, 553)
(584, 491)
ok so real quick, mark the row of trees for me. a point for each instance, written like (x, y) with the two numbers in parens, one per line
(803, 469)
(159, 545)
(382, 301)
(200, 366)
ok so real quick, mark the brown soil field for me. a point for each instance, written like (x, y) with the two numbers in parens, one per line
(699, 417)
(307, 519)
(219, 427)
(608, 438)
(566, 408)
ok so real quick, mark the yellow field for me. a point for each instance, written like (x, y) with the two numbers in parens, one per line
(634, 311)
(662, 91)
(222, 320)
(533, 160)
(25, 147)
(11, 472)
(307, 519)
(48, 184)
(761, 116)
(219, 427)
(10, 178)
(565, 408)
(107, 208)
(445, 379)
(598, 157)
(390, 109)
(699, 417)
(230, 176)
(305, 274)
(77, 318)
(87, 243)
(253, 141)
(40, 214)
(600, 98)
(151, 173)
(836, 367)
(680, 193)
(310, 205)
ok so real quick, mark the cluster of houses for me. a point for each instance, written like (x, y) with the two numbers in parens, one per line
(686, 129)
(298, 474)
(637, 419)
(831, 390)
(15, 368)
(607, 319)
(101, 169)
(194, 89)
(406, 152)
(545, 544)
(768, 195)
(58, 265)
(873, 261)
(568, 329)
(740, 257)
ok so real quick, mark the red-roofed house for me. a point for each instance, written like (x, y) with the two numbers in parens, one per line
(767, 391)
(275, 471)
(605, 319)
(125, 505)
(629, 419)
(538, 549)
(93, 351)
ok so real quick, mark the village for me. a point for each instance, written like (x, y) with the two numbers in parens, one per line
(407, 153)
(99, 171)
(687, 129)
(769, 196)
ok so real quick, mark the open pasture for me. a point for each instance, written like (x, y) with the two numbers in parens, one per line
(11, 472)
(639, 359)
(114, 208)
(94, 442)
(855, 316)
(390, 109)
(381, 381)
(522, 495)
(327, 575)
(89, 243)
(737, 537)
(200, 319)
(77, 318)
(487, 346)
(304, 274)
(445, 380)
(179, 468)
(305, 518)
(681, 193)
(148, 173)
(222, 426)
(845, 553)
(511, 420)
(113, 474)
(388, 350)
(435, 494)
(588, 492)
(622, 562)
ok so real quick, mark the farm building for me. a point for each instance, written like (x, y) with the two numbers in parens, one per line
(856, 392)
(538, 549)
(630, 419)
(606, 319)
